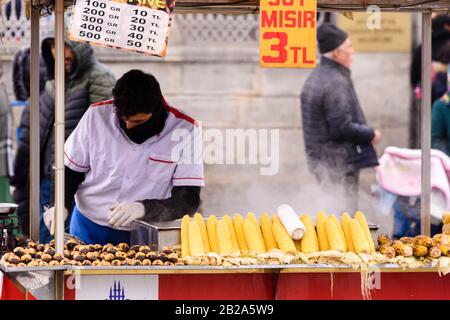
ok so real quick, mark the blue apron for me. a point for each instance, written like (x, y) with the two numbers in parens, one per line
(92, 233)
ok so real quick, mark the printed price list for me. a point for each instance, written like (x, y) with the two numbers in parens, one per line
(120, 25)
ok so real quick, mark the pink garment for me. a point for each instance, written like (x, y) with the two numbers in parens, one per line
(399, 172)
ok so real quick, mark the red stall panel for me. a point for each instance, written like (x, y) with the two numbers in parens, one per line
(391, 286)
(215, 286)
(11, 292)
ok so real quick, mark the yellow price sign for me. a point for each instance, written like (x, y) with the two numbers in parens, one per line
(288, 33)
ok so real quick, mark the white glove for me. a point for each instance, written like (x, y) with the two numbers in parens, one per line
(122, 214)
(49, 219)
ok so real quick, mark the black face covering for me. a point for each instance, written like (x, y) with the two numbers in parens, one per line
(148, 129)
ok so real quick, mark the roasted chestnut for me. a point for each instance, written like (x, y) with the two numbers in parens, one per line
(86, 263)
(121, 255)
(105, 263)
(31, 252)
(168, 264)
(21, 264)
(91, 248)
(84, 249)
(50, 251)
(136, 263)
(67, 254)
(116, 263)
(40, 247)
(19, 251)
(33, 264)
(152, 256)
(32, 244)
(26, 258)
(46, 257)
(38, 255)
(135, 248)
(43, 263)
(111, 250)
(131, 254)
(157, 263)
(173, 257)
(92, 256)
(139, 256)
(108, 257)
(54, 263)
(144, 249)
(146, 262)
(78, 256)
(98, 247)
(123, 247)
(58, 257)
(71, 244)
(163, 257)
(167, 250)
(96, 263)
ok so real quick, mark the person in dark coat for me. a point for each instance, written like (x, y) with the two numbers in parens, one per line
(87, 82)
(338, 140)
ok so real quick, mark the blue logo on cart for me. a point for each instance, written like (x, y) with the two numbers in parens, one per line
(117, 292)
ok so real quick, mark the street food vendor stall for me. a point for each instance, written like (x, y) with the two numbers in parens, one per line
(246, 263)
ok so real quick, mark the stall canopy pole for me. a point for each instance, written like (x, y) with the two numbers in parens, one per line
(34, 126)
(426, 125)
(59, 126)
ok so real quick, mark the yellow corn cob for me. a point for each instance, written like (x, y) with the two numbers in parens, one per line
(232, 233)
(309, 243)
(359, 216)
(211, 227)
(284, 241)
(195, 239)
(341, 232)
(335, 240)
(224, 236)
(238, 222)
(254, 219)
(254, 241)
(360, 244)
(347, 233)
(201, 223)
(185, 236)
(321, 232)
(266, 228)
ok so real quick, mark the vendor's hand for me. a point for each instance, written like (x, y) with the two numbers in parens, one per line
(377, 137)
(49, 219)
(121, 215)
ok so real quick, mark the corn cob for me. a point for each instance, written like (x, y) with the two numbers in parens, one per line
(232, 233)
(195, 239)
(359, 216)
(359, 239)
(321, 232)
(211, 227)
(266, 228)
(341, 232)
(254, 241)
(185, 236)
(201, 223)
(238, 222)
(347, 233)
(284, 241)
(254, 219)
(335, 240)
(224, 236)
(309, 243)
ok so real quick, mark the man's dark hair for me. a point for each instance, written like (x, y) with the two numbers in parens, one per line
(137, 92)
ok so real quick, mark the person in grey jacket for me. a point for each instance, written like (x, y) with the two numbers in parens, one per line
(6, 149)
(87, 82)
(338, 140)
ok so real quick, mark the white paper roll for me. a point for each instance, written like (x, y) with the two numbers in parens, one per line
(291, 222)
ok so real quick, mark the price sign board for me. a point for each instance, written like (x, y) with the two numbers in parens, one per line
(143, 27)
(288, 33)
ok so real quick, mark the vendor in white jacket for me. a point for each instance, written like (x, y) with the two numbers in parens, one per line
(131, 158)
